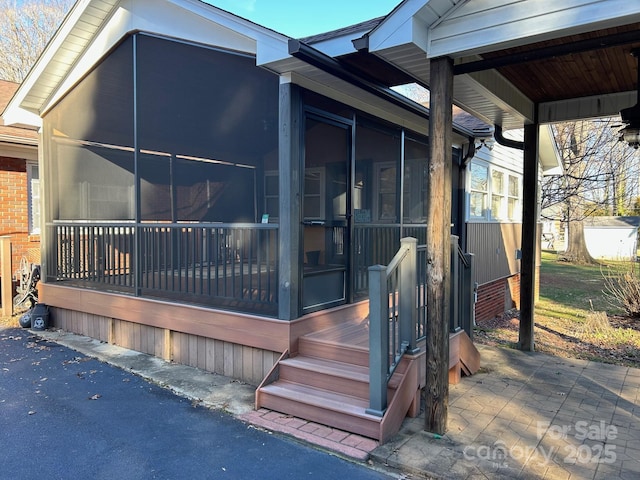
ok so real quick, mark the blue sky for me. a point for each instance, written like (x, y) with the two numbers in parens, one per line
(300, 18)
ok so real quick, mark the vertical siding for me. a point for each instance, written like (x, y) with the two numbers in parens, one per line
(494, 247)
(245, 363)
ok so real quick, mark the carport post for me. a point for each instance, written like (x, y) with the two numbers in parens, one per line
(529, 237)
(439, 245)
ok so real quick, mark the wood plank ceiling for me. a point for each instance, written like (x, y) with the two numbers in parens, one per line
(601, 63)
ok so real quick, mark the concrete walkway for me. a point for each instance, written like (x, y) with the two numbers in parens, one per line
(529, 415)
(524, 415)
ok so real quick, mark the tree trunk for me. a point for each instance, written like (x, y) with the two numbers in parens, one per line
(576, 251)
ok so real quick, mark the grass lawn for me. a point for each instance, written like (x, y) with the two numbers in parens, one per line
(573, 317)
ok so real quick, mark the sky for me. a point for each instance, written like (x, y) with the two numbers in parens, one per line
(301, 18)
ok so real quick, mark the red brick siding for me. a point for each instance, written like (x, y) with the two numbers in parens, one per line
(514, 288)
(14, 211)
(491, 300)
(496, 297)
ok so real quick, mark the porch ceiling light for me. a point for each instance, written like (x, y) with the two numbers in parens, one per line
(631, 116)
(631, 135)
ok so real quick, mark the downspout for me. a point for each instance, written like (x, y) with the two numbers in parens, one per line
(462, 201)
(506, 142)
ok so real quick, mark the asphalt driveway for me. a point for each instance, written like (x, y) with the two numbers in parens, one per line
(67, 416)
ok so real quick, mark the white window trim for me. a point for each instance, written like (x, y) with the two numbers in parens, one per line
(33, 228)
(504, 208)
(518, 209)
(487, 192)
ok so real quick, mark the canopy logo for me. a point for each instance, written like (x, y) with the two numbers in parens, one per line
(565, 442)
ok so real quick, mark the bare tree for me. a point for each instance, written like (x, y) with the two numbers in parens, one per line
(25, 28)
(600, 177)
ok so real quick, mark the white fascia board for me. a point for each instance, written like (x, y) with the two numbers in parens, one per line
(476, 27)
(337, 46)
(19, 117)
(548, 154)
(401, 26)
(586, 107)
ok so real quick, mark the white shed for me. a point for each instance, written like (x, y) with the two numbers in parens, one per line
(612, 238)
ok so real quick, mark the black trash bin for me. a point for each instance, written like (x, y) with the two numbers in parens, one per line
(40, 317)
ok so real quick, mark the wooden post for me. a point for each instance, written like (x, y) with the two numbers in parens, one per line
(290, 165)
(7, 278)
(439, 245)
(529, 237)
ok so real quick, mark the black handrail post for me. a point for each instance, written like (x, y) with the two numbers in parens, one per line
(468, 298)
(407, 293)
(454, 320)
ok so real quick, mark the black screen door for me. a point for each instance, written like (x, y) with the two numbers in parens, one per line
(325, 208)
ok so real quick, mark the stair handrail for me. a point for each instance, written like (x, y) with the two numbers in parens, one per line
(386, 348)
(398, 307)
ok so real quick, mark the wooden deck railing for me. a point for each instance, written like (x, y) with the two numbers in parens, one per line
(398, 310)
(226, 265)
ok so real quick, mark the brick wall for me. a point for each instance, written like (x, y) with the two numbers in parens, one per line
(494, 298)
(491, 300)
(14, 211)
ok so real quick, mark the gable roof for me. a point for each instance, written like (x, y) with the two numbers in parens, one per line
(15, 142)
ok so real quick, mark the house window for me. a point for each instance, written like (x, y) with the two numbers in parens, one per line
(514, 211)
(500, 187)
(33, 179)
(497, 195)
(479, 190)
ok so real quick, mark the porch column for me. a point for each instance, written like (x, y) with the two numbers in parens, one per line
(529, 237)
(289, 146)
(439, 245)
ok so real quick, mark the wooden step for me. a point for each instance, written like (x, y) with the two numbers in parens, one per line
(310, 346)
(336, 410)
(469, 355)
(330, 375)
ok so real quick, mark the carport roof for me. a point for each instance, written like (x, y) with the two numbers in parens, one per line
(559, 60)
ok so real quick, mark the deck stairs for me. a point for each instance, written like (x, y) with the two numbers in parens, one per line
(327, 382)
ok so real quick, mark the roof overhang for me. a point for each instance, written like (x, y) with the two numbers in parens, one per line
(471, 31)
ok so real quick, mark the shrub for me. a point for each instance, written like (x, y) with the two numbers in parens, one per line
(622, 289)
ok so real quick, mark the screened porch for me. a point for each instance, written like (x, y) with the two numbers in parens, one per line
(167, 184)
